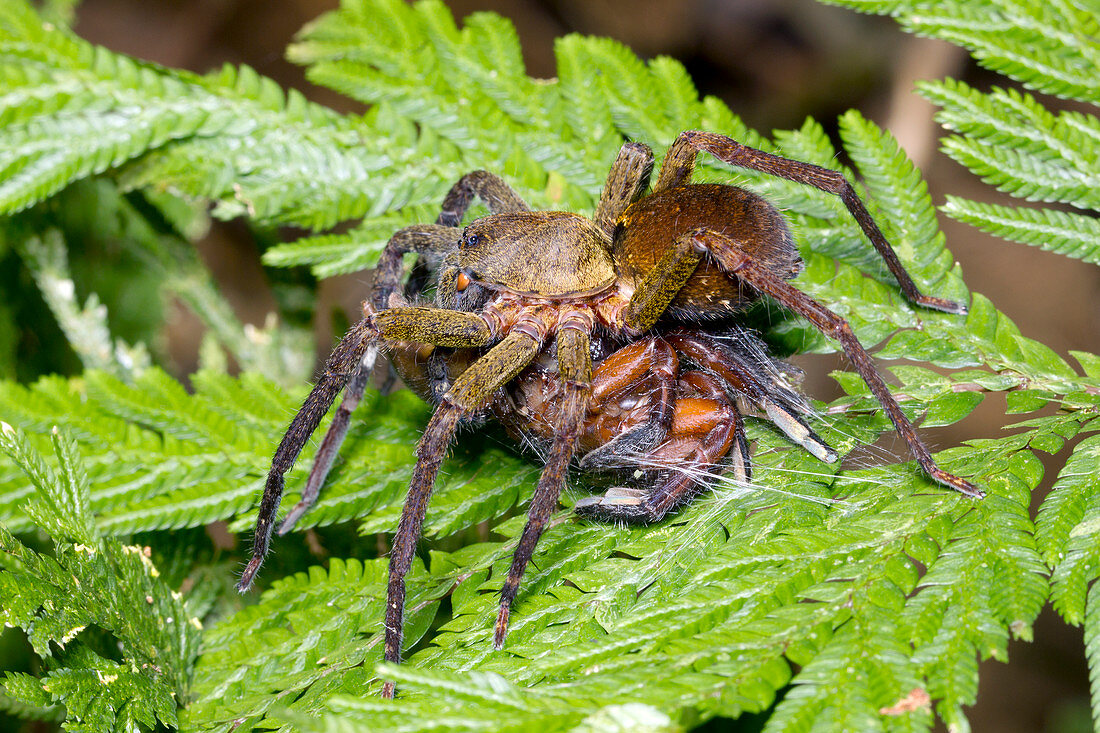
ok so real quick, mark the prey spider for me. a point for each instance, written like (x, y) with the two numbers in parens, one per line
(550, 319)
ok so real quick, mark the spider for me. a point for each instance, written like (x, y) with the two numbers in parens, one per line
(524, 301)
(645, 417)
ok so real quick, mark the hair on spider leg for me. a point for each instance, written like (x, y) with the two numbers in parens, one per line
(529, 443)
(720, 496)
(865, 453)
(713, 483)
(750, 344)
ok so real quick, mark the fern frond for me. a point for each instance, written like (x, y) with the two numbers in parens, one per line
(1007, 137)
(511, 121)
(353, 251)
(1050, 47)
(1009, 118)
(241, 140)
(1023, 175)
(90, 582)
(1068, 523)
(163, 459)
(85, 327)
(313, 627)
(61, 504)
(27, 700)
(1011, 141)
(205, 467)
(1072, 235)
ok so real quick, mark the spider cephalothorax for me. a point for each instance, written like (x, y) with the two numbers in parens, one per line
(524, 300)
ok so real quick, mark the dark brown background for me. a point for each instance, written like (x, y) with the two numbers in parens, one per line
(774, 62)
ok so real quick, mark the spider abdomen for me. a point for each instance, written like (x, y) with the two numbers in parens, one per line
(649, 226)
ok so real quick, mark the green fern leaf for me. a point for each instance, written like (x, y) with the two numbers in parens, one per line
(312, 626)
(61, 506)
(163, 459)
(1008, 137)
(1024, 175)
(91, 582)
(261, 166)
(1092, 648)
(338, 254)
(1072, 235)
(1050, 47)
(1069, 520)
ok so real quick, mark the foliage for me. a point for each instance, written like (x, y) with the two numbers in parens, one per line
(1008, 136)
(1013, 141)
(90, 591)
(836, 600)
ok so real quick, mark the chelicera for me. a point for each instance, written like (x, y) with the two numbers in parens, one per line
(524, 301)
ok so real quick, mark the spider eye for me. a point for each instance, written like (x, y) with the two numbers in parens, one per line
(462, 281)
(472, 240)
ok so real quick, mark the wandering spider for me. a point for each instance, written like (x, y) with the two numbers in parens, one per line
(635, 286)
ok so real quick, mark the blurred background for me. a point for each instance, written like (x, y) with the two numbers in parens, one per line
(774, 62)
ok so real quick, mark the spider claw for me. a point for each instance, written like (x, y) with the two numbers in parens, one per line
(740, 463)
(608, 457)
(625, 495)
(616, 495)
(619, 502)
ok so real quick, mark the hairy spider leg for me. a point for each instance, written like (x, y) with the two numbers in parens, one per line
(424, 240)
(575, 370)
(473, 390)
(651, 362)
(627, 182)
(334, 436)
(704, 430)
(430, 242)
(427, 325)
(679, 163)
(748, 379)
(728, 255)
(338, 369)
(708, 385)
(741, 358)
(489, 187)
